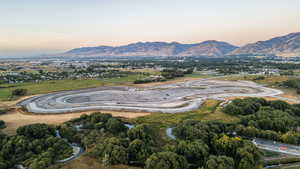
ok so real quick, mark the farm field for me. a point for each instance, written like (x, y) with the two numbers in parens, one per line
(61, 85)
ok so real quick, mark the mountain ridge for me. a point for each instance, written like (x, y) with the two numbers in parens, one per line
(211, 48)
(284, 46)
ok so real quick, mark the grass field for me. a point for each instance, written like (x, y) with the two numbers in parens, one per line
(210, 110)
(60, 85)
(268, 80)
(145, 70)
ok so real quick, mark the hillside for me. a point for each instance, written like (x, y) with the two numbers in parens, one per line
(206, 48)
(285, 46)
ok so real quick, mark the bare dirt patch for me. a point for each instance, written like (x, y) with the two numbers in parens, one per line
(16, 118)
(10, 104)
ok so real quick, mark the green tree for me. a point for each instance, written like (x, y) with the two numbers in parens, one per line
(291, 138)
(2, 124)
(248, 156)
(280, 105)
(166, 160)
(3, 111)
(69, 133)
(19, 92)
(111, 151)
(220, 162)
(99, 117)
(228, 145)
(36, 131)
(141, 132)
(232, 109)
(196, 152)
(115, 126)
(139, 151)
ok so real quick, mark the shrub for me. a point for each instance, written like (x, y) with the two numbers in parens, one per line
(166, 160)
(19, 92)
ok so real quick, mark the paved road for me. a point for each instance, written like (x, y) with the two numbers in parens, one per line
(277, 146)
(169, 133)
(77, 149)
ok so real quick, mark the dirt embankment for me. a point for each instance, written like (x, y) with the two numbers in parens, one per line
(16, 118)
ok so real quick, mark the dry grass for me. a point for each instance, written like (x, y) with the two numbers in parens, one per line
(11, 104)
(290, 93)
(85, 162)
(16, 118)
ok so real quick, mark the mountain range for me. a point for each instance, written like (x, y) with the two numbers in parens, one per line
(285, 46)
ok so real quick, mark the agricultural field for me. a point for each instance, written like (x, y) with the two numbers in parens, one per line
(61, 85)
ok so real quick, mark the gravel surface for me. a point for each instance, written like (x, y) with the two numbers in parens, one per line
(169, 98)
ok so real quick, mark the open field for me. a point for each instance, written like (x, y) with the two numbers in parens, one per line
(168, 98)
(145, 70)
(61, 85)
(209, 111)
(268, 80)
(17, 118)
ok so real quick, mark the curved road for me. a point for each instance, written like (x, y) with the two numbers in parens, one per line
(77, 149)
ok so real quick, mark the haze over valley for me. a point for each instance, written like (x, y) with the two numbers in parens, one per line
(285, 46)
(150, 84)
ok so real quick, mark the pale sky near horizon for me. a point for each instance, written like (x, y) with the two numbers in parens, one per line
(34, 27)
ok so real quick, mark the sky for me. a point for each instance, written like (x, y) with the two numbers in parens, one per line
(35, 27)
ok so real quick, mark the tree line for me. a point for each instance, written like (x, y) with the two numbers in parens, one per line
(198, 145)
(35, 146)
(275, 120)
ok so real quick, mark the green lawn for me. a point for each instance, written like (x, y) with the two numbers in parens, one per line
(60, 85)
(208, 111)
